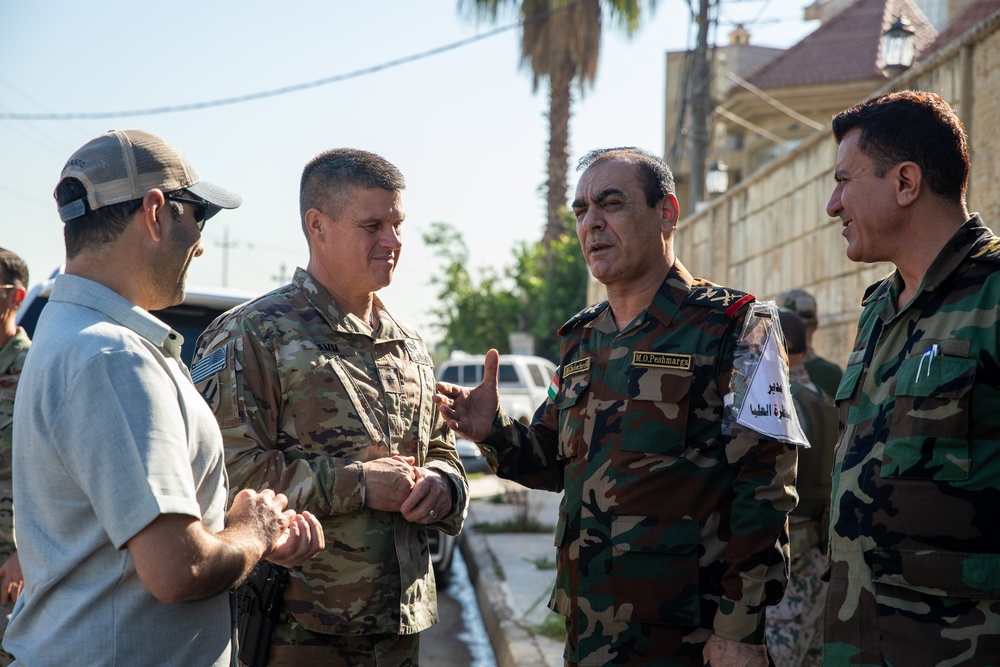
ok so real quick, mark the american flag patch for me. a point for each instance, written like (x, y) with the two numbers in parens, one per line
(209, 366)
(554, 386)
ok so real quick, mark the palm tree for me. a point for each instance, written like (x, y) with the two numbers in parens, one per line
(560, 41)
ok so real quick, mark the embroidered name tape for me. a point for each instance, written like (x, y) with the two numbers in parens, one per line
(416, 356)
(662, 360)
(576, 367)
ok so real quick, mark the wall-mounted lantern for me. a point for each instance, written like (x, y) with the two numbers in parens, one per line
(717, 180)
(897, 48)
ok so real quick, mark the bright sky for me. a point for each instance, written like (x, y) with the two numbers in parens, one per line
(463, 126)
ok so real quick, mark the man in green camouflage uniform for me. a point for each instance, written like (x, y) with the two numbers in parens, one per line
(325, 396)
(915, 531)
(671, 540)
(795, 625)
(14, 346)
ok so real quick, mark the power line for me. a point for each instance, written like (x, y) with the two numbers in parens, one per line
(760, 12)
(284, 90)
(784, 143)
(783, 108)
(28, 198)
(73, 126)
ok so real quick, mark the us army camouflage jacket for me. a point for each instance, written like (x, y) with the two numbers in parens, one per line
(664, 520)
(304, 394)
(12, 357)
(915, 525)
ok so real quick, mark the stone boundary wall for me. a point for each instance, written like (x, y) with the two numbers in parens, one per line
(771, 232)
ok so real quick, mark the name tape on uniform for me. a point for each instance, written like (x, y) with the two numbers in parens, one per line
(576, 367)
(662, 360)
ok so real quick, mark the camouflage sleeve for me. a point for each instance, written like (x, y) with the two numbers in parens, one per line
(526, 454)
(442, 457)
(246, 396)
(756, 547)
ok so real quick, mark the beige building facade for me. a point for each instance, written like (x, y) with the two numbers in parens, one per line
(771, 231)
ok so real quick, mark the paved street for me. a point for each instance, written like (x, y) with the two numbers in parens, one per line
(459, 639)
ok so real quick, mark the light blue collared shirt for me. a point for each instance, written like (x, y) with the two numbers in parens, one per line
(109, 434)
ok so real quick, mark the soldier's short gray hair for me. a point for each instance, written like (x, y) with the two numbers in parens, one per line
(658, 181)
(328, 178)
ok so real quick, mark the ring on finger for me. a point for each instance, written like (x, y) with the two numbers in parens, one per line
(433, 514)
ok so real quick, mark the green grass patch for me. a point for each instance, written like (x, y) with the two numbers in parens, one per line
(553, 627)
(542, 563)
(497, 499)
(513, 525)
(474, 475)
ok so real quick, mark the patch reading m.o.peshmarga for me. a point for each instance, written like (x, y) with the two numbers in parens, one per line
(576, 368)
(662, 360)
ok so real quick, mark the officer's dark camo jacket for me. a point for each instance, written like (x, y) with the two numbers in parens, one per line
(304, 394)
(915, 519)
(668, 530)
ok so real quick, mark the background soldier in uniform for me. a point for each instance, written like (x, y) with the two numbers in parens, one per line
(671, 538)
(915, 533)
(14, 346)
(322, 394)
(824, 373)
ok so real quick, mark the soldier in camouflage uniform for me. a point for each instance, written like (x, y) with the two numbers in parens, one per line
(323, 394)
(915, 532)
(823, 372)
(14, 346)
(795, 625)
(671, 540)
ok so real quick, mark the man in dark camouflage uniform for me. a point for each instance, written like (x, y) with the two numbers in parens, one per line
(671, 540)
(915, 531)
(322, 394)
(14, 346)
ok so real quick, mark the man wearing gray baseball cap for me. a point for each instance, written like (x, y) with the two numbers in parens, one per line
(118, 461)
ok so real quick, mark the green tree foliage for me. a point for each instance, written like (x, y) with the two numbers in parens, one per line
(537, 293)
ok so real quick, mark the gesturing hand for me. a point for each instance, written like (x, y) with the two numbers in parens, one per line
(302, 539)
(11, 580)
(262, 512)
(470, 412)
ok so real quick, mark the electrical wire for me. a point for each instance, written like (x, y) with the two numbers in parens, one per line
(285, 90)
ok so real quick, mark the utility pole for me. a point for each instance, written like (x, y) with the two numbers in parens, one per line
(225, 244)
(282, 276)
(701, 109)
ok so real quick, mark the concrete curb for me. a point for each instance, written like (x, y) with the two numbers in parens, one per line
(513, 645)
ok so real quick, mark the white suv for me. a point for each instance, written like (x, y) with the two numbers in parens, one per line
(522, 380)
